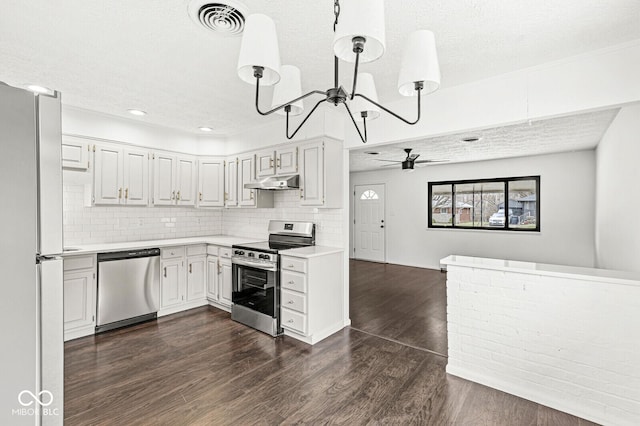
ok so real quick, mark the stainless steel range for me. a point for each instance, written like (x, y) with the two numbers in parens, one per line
(256, 274)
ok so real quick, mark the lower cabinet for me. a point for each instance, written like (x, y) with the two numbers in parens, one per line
(219, 283)
(182, 278)
(79, 284)
(312, 296)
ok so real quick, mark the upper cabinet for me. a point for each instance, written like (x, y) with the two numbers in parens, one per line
(121, 175)
(211, 182)
(75, 153)
(321, 174)
(174, 179)
(246, 197)
(231, 183)
(281, 161)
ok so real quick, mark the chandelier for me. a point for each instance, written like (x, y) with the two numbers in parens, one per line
(359, 37)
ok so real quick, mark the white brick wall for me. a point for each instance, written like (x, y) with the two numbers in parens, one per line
(571, 344)
(94, 225)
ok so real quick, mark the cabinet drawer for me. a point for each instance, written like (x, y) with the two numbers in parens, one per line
(212, 250)
(293, 281)
(196, 250)
(295, 301)
(294, 320)
(172, 252)
(73, 263)
(225, 252)
(294, 264)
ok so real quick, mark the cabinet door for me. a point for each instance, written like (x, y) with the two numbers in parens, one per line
(225, 281)
(196, 274)
(246, 197)
(164, 170)
(75, 154)
(79, 305)
(171, 283)
(265, 164)
(213, 270)
(211, 183)
(108, 175)
(312, 174)
(136, 177)
(231, 183)
(187, 174)
(287, 160)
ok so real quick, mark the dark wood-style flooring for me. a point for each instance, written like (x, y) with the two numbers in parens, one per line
(201, 368)
(400, 303)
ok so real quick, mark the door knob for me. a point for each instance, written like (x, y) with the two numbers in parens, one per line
(381, 226)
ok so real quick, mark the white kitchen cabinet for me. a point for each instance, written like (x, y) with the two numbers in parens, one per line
(196, 278)
(121, 176)
(312, 296)
(174, 179)
(279, 161)
(79, 306)
(226, 282)
(321, 173)
(183, 277)
(213, 271)
(211, 182)
(246, 197)
(75, 153)
(219, 280)
(231, 182)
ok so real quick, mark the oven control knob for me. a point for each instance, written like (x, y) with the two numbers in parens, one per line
(252, 254)
(264, 256)
(239, 252)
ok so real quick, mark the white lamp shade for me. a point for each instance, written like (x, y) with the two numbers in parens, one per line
(367, 87)
(289, 88)
(419, 63)
(360, 18)
(259, 47)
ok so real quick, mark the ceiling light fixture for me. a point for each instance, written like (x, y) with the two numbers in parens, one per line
(137, 112)
(359, 37)
(205, 129)
(41, 90)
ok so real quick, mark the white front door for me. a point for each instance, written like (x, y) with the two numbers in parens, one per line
(369, 222)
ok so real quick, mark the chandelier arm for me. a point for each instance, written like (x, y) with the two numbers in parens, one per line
(313, 92)
(363, 139)
(303, 121)
(355, 76)
(335, 71)
(393, 113)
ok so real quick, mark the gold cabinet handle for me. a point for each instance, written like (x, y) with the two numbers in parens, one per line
(290, 302)
(251, 195)
(278, 163)
(271, 163)
(219, 267)
(290, 320)
(178, 196)
(119, 193)
(165, 272)
(301, 194)
(200, 196)
(173, 195)
(190, 268)
(126, 194)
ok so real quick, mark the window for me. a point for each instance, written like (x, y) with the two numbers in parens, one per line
(369, 195)
(498, 204)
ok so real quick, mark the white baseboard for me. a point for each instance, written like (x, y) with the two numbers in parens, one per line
(76, 333)
(315, 337)
(182, 307)
(219, 306)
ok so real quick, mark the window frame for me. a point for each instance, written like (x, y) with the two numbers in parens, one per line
(504, 180)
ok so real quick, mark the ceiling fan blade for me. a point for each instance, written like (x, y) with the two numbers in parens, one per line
(413, 157)
(390, 165)
(430, 161)
(390, 161)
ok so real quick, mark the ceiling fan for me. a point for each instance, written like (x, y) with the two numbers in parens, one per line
(411, 160)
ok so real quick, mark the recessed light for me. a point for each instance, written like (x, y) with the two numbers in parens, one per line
(471, 139)
(372, 152)
(39, 89)
(205, 129)
(136, 112)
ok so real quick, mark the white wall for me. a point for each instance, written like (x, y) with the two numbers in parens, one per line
(566, 217)
(617, 238)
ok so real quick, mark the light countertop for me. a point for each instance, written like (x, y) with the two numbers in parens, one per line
(576, 272)
(311, 251)
(220, 240)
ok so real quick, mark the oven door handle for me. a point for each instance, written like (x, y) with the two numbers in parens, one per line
(263, 266)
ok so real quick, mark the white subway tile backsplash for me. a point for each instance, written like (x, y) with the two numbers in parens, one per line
(94, 225)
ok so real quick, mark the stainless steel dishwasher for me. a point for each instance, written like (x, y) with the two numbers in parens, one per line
(128, 288)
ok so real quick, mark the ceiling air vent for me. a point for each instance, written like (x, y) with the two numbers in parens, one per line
(223, 18)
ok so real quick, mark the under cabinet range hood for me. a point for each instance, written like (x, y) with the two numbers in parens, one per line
(276, 183)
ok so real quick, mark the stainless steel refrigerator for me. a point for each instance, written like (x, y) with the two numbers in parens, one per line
(31, 304)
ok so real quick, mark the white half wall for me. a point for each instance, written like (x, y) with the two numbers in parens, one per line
(617, 240)
(567, 215)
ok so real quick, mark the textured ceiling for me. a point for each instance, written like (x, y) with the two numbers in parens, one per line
(109, 56)
(571, 133)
